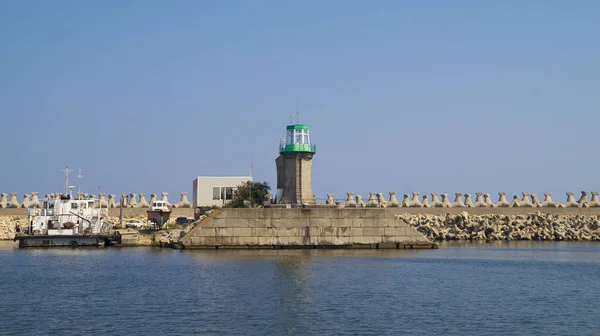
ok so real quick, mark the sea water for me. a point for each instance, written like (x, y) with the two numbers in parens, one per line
(499, 288)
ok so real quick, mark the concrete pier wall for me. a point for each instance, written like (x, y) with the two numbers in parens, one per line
(305, 227)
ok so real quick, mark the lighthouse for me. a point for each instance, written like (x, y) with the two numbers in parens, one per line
(294, 166)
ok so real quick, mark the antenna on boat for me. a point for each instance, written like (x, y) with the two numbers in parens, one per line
(66, 171)
(79, 176)
(297, 111)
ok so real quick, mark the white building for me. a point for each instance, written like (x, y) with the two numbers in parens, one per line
(216, 190)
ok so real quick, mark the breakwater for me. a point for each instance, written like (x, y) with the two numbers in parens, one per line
(532, 226)
(375, 200)
(482, 200)
(289, 227)
(133, 200)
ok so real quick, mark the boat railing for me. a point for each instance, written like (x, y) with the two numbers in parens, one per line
(40, 212)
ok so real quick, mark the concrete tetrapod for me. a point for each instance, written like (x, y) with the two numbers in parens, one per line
(152, 198)
(350, 202)
(502, 202)
(535, 201)
(414, 202)
(3, 200)
(12, 202)
(183, 203)
(359, 201)
(435, 201)
(468, 202)
(372, 201)
(35, 200)
(515, 202)
(479, 203)
(548, 203)
(393, 202)
(425, 202)
(525, 202)
(25, 202)
(165, 198)
(594, 203)
(102, 202)
(381, 200)
(124, 200)
(583, 200)
(330, 200)
(111, 201)
(571, 202)
(405, 201)
(445, 202)
(143, 203)
(132, 201)
(487, 198)
(458, 202)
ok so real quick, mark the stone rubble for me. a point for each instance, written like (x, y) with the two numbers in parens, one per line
(7, 226)
(170, 237)
(534, 226)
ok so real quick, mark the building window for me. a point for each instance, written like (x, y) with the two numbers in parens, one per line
(298, 136)
(216, 193)
(227, 193)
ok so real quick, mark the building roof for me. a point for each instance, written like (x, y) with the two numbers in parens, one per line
(224, 177)
(297, 126)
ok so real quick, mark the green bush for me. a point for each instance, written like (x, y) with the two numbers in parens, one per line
(250, 194)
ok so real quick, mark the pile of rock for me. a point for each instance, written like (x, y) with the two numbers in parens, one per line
(535, 226)
(7, 226)
(167, 237)
(171, 237)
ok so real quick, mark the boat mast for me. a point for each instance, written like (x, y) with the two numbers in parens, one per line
(67, 171)
(79, 176)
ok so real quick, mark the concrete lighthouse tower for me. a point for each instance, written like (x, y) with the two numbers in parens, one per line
(294, 166)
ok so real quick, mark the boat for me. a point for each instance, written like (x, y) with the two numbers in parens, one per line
(64, 220)
(158, 214)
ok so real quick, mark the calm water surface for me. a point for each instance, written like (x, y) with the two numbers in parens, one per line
(519, 288)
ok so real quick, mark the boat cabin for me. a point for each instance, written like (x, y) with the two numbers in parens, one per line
(63, 215)
(159, 205)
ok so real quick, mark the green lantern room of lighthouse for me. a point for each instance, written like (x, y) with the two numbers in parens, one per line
(297, 140)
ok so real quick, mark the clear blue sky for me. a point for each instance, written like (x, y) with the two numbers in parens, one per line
(400, 95)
